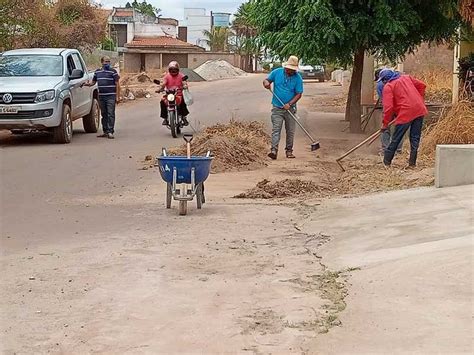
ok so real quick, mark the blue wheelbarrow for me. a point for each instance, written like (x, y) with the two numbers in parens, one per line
(184, 177)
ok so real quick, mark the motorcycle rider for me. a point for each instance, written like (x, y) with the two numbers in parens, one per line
(173, 80)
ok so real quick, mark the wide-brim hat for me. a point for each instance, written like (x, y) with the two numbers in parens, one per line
(292, 63)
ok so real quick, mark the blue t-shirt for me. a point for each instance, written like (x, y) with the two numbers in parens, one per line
(107, 81)
(284, 86)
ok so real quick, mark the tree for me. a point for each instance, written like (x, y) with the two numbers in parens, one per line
(245, 41)
(217, 38)
(343, 30)
(145, 8)
(42, 23)
(128, 5)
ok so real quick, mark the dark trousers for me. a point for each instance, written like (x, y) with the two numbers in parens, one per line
(415, 127)
(182, 109)
(107, 108)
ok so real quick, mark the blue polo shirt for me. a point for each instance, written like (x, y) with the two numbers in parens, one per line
(284, 86)
(107, 81)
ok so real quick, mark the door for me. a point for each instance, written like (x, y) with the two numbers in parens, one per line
(181, 58)
(84, 97)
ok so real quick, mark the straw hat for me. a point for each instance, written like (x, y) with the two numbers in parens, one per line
(292, 63)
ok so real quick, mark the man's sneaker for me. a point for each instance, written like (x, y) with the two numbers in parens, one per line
(185, 121)
(165, 122)
(272, 155)
(290, 155)
(110, 136)
(103, 135)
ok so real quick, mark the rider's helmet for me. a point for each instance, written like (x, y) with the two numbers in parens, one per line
(173, 68)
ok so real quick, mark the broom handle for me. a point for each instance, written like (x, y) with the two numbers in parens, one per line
(294, 117)
(370, 139)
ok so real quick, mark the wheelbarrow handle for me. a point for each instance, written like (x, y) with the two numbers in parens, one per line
(188, 137)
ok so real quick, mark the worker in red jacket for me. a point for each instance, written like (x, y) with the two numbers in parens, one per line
(403, 97)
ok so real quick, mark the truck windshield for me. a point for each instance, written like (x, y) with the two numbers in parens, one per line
(31, 65)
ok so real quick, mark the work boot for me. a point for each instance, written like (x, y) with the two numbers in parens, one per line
(273, 154)
(185, 121)
(289, 154)
(165, 122)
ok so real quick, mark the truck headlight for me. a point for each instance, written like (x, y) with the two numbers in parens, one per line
(45, 96)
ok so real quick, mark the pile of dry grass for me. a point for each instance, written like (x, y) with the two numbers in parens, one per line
(280, 189)
(439, 84)
(235, 146)
(455, 126)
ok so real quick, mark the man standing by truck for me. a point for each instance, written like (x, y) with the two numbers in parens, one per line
(107, 79)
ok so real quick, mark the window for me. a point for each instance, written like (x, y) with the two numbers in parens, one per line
(77, 61)
(70, 64)
(31, 65)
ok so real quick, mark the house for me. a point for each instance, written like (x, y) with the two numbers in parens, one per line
(127, 23)
(154, 53)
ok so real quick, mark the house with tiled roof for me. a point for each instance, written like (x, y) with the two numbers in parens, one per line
(154, 53)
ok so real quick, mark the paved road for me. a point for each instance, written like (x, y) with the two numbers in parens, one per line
(36, 175)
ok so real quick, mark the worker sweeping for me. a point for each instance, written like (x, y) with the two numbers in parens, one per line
(403, 97)
(287, 89)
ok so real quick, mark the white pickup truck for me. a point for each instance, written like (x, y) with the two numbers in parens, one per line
(40, 89)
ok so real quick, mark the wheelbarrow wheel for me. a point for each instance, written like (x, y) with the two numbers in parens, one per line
(199, 196)
(183, 208)
(168, 195)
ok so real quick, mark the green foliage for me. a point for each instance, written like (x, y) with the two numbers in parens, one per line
(334, 30)
(145, 8)
(108, 44)
(218, 38)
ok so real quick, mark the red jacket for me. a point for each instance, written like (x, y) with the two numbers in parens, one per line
(405, 98)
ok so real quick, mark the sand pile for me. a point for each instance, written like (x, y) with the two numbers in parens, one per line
(455, 126)
(280, 189)
(135, 79)
(235, 146)
(218, 69)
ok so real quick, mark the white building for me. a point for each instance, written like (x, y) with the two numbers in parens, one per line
(197, 21)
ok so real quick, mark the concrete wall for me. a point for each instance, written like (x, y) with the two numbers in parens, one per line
(131, 62)
(196, 59)
(154, 29)
(454, 165)
(197, 21)
(152, 62)
(425, 56)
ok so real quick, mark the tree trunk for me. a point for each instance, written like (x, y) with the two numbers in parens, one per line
(353, 108)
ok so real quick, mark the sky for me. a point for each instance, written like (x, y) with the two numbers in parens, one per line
(174, 8)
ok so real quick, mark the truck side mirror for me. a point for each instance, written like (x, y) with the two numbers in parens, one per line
(76, 74)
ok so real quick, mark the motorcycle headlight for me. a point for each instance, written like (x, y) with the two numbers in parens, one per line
(170, 97)
(45, 96)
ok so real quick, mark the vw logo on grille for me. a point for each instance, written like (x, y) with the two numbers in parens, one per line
(7, 98)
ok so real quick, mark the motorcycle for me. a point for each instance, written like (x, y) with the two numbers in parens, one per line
(175, 121)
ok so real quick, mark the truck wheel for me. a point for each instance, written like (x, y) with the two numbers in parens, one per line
(63, 133)
(91, 121)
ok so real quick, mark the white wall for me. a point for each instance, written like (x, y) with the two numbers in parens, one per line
(197, 21)
(154, 29)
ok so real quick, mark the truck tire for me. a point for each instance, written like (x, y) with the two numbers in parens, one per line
(63, 133)
(91, 121)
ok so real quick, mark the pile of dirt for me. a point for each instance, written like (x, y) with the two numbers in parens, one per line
(218, 69)
(362, 176)
(280, 189)
(455, 126)
(136, 79)
(192, 75)
(235, 146)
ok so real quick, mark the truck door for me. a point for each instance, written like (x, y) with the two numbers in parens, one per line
(78, 94)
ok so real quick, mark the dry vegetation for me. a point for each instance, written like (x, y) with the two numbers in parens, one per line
(235, 146)
(439, 84)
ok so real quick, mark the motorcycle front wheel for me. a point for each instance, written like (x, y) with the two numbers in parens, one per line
(173, 126)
